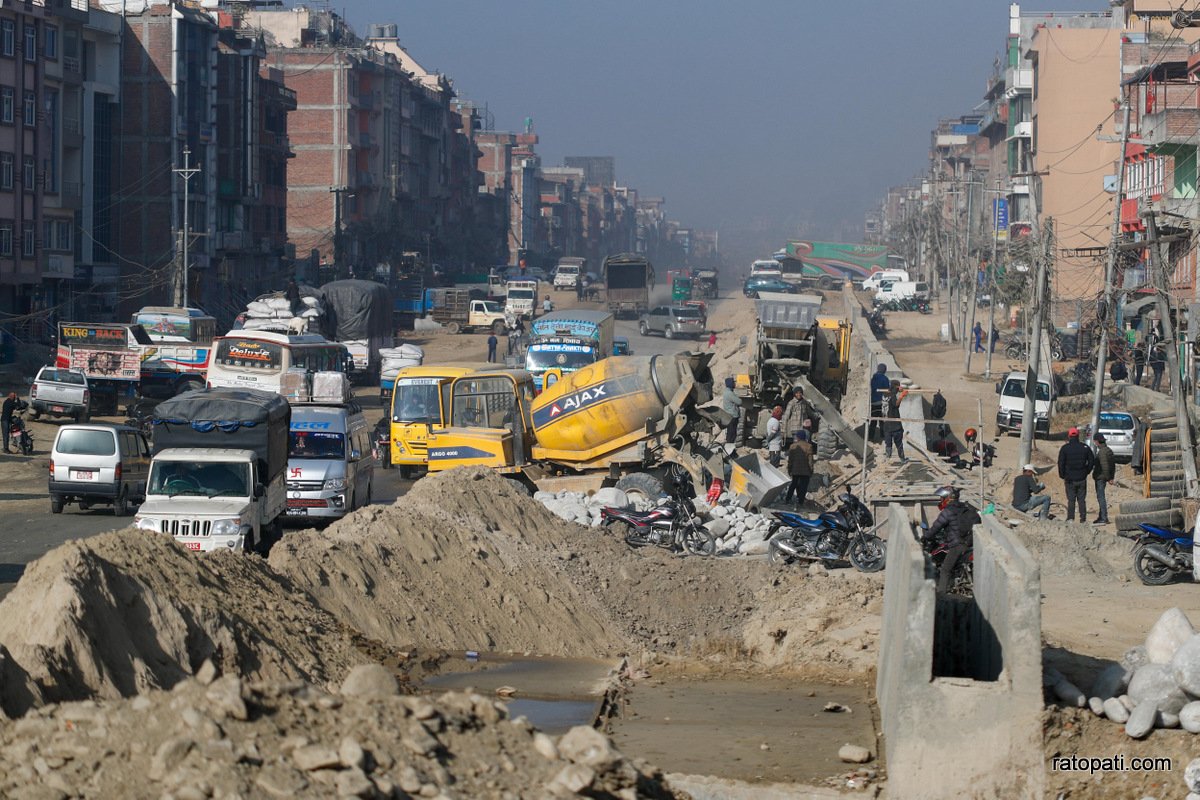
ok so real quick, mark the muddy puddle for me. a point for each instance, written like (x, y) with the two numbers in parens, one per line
(555, 694)
(749, 729)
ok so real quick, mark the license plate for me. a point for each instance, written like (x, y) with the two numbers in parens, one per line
(85, 475)
(297, 512)
(192, 545)
(57, 408)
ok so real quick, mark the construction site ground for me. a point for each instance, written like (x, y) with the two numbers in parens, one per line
(742, 657)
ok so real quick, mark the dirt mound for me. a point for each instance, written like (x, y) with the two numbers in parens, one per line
(463, 561)
(291, 740)
(124, 612)
(1073, 548)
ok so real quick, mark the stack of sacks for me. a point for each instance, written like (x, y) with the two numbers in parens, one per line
(274, 313)
(397, 358)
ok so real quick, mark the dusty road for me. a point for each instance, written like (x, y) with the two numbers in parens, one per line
(30, 530)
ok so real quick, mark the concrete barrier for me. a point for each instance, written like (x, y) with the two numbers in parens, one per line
(960, 681)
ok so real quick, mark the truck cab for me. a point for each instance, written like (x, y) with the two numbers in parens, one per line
(420, 407)
(490, 423)
(210, 499)
(569, 272)
(522, 298)
(1010, 410)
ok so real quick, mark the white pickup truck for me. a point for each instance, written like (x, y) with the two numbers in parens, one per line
(60, 392)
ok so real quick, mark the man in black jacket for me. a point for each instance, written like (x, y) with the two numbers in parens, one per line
(957, 520)
(1103, 473)
(1075, 462)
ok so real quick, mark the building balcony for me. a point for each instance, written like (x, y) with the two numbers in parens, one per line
(1172, 126)
(70, 195)
(60, 266)
(72, 133)
(1021, 130)
(1018, 80)
(72, 70)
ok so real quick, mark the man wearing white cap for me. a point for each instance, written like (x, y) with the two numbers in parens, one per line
(1025, 493)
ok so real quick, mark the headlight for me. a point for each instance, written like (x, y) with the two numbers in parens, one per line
(399, 446)
(226, 527)
(1041, 414)
(335, 484)
(146, 524)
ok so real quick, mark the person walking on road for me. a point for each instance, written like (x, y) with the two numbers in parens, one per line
(796, 412)
(579, 287)
(995, 338)
(1158, 363)
(731, 404)
(879, 389)
(774, 440)
(1025, 494)
(1139, 365)
(893, 430)
(547, 305)
(712, 340)
(12, 404)
(978, 331)
(492, 342)
(1075, 462)
(1103, 473)
(800, 468)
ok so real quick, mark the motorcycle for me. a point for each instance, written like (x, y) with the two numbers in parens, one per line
(1017, 348)
(1160, 554)
(381, 438)
(962, 582)
(673, 525)
(19, 435)
(878, 323)
(840, 535)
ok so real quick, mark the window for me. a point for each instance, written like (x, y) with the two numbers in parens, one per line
(6, 237)
(6, 171)
(6, 104)
(8, 37)
(30, 46)
(30, 109)
(28, 243)
(50, 49)
(29, 174)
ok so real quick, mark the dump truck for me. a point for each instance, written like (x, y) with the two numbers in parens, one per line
(217, 475)
(620, 421)
(791, 343)
(628, 279)
(359, 316)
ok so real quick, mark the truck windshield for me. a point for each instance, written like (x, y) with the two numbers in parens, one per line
(416, 401)
(203, 479)
(537, 360)
(520, 294)
(483, 403)
(492, 308)
(316, 444)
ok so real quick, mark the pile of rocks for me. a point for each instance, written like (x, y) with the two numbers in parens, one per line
(220, 737)
(1157, 684)
(737, 531)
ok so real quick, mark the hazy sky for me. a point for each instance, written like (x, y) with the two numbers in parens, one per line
(750, 114)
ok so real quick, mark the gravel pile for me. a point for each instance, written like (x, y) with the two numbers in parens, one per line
(220, 737)
(738, 531)
(1157, 684)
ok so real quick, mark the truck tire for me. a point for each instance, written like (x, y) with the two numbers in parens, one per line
(498, 328)
(56, 504)
(453, 327)
(1143, 506)
(825, 282)
(1171, 518)
(84, 416)
(641, 483)
(121, 503)
(189, 386)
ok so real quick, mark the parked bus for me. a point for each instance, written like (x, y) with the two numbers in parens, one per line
(420, 405)
(258, 359)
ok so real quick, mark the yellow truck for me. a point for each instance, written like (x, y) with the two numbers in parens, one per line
(625, 416)
(420, 405)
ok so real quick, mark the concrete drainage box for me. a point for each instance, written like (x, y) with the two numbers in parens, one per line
(960, 680)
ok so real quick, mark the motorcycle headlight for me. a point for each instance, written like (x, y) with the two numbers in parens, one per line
(146, 524)
(335, 484)
(226, 527)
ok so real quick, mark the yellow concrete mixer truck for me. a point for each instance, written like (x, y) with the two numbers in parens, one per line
(618, 421)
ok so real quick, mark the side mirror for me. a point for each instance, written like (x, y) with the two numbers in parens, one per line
(259, 491)
(997, 387)
(355, 455)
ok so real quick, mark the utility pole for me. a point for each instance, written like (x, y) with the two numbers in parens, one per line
(1158, 274)
(338, 191)
(967, 260)
(992, 281)
(1033, 363)
(1110, 268)
(186, 172)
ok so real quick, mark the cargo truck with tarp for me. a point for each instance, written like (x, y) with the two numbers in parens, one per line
(628, 280)
(359, 316)
(217, 478)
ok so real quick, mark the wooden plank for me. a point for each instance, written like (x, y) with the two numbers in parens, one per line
(832, 417)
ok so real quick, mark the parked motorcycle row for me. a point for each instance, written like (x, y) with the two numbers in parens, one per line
(904, 304)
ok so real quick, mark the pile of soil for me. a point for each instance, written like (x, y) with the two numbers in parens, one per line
(1074, 548)
(124, 612)
(269, 739)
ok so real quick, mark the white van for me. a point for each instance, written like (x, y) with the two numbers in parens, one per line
(1011, 411)
(900, 290)
(766, 268)
(330, 462)
(98, 463)
(876, 278)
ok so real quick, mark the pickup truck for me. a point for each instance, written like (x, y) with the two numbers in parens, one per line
(455, 309)
(60, 392)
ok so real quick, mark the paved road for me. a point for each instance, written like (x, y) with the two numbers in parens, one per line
(30, 530)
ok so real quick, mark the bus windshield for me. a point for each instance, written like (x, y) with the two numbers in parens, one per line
(416, 400)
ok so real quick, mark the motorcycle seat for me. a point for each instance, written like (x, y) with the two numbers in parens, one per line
(1164, 533)
(797, 521)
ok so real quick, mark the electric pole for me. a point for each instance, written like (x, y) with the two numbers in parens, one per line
(992, 280)
(186, 172)
(1033, 363)
(338, 191)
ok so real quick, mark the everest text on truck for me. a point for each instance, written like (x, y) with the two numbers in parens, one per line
(217, 477)
(567, 341)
